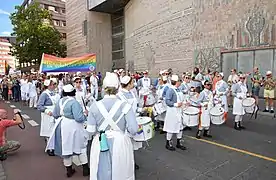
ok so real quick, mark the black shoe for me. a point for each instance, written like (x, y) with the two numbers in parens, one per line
(265, 110)
(198, 134)
(70, 171)
(85, 170)
(237, 126)
(136, 167)
(51, 152)
(206, 133)
(162, 132)
(241, 127)
(3, 156)
(169, 146)
(271, 111)
(179, 145)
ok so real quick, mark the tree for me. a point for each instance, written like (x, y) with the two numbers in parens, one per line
(35, 34)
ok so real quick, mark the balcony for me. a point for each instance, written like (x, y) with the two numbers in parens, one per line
(106, 6)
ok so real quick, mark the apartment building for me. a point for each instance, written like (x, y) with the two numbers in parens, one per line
(57, 9)
(5, 56)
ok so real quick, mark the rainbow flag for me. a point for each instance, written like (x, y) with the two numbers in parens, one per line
(55, 64)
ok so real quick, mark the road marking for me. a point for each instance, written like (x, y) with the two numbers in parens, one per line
(8, 102)
(234, 149)
(33, 123)
(12, 106)
(25, 116)
(17, 110)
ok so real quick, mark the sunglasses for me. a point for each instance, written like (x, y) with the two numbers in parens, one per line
(187, 78)
(242, 78)
(78, 82)
(208, 84)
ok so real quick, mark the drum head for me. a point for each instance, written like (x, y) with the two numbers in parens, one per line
(191, 110)
(217, 111)
(143, 120)
(248, 102)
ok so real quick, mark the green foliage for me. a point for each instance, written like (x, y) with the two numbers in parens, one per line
(35, 34)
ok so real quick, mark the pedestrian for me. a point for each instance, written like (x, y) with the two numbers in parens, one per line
(24, 90)
(205, 102)
(173, 119)
(7, 146)
(222, 90)
(256, 84)
(129, 97)
(45, 105)
(109, 119)
(69, 138)
(94, 85)
(32, 92)
(269, 89)
(239, 92)
(232, 79)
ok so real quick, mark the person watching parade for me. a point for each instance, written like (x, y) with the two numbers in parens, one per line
(7, 146)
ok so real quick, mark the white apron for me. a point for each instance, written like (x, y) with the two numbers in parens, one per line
(159, 93)
(80, 96)
(205, 111)
(74, 137)
(48, 122)
(237, 104)
(223, 97)
(123, 157)
(173, 118)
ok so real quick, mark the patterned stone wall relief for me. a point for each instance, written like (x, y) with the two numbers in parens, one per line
(208, 58)
(255, 26)
(149, 55)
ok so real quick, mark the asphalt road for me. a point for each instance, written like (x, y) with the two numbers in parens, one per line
(230, 155)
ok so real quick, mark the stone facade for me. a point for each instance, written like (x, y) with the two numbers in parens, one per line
(88, 32)
(184, 33)
(177, 34)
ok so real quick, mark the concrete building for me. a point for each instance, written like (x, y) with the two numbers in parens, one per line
(177, 34)
(57, 9)
(5, 56)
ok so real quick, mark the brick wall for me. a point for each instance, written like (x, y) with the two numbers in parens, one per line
(182, 33)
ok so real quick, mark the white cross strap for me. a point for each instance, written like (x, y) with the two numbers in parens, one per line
(108, 116)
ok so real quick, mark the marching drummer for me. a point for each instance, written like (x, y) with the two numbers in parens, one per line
(222, 90)
(126, 95)
(110, 120)
(45, 105)
(69, 138)
(205, 102)
(239, 92)
(144, 82)
(173, 119)
(161, 95)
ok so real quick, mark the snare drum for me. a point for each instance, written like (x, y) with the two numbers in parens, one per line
(217, 115)
(160, 107)
(146, 129)
(249, 105)
(190, 116)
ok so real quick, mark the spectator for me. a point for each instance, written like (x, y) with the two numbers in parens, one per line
(269, 88)
(7, 146)
(256, 84)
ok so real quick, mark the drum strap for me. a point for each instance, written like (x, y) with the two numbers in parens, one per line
(108, 116)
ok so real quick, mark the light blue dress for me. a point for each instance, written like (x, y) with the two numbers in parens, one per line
(72, 110)
(127, 123)
(44, 100)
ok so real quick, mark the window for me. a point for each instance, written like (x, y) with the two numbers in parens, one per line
(51, 8)
(64, 35)
(63, 11)
(84, 28)
(56, 22)
(63, 23)
(56, 10)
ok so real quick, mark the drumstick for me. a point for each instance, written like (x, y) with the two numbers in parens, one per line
(83, 103)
